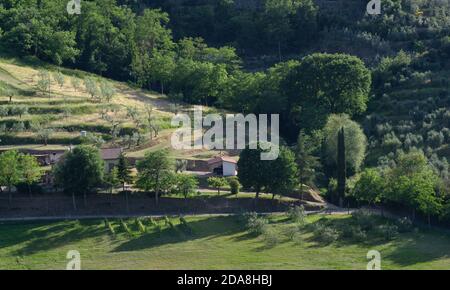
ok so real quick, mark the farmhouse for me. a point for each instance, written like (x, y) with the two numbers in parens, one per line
(48, 157)
(223, 166)
(110, 157)
(45, 157)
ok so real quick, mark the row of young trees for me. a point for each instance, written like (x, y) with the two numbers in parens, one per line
(97, 90)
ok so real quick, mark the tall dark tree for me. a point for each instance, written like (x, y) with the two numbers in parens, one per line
(124, 175)
(124, 171)
(341, 166)
(253, 172)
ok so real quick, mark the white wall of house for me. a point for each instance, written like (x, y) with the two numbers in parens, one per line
(229, 169)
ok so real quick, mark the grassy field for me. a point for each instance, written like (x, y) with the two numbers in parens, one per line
(216, 243)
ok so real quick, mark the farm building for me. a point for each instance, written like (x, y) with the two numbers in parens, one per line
(223, 166)
(51, 156)
(110, 157)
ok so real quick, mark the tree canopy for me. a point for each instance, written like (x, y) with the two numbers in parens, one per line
(324, 84)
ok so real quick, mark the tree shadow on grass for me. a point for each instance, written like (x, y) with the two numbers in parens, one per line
(406, 249)
(206, 228)
(42, 236)
(414, 248)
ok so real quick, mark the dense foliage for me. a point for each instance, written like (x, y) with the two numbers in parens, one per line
(309, 61)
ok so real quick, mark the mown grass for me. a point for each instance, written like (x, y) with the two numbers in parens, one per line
(212, 243)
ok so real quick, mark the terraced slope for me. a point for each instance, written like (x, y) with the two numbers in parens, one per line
(59, 118)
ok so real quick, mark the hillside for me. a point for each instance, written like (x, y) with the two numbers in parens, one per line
(409, 110)
(33, 117)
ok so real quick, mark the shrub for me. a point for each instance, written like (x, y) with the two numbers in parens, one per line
(234, 184)
(185, 225)
(125, 228)
(325, 234)
(59, 78)
(140, 226)
(109, 227)
(404, 225)
(158, 228)
(151, 222)
(354, 233)
(256, 225)
(76, 83)
(297, 214)
(365, 220)
(387, 232)
(168, 222)
(271, 238)
(291, 232)
(217, 182)
(297, 239)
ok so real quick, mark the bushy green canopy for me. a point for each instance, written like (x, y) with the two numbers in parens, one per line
(80, 170)
(355, 141)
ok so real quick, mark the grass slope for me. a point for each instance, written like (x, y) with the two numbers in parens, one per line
(216, 243)
(68, 111)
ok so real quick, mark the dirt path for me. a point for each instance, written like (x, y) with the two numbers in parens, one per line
(159, 103)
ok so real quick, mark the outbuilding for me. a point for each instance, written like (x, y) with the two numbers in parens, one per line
(223, 166)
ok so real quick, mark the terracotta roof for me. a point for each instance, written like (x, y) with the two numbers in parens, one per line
(111, 154)
(222, 159)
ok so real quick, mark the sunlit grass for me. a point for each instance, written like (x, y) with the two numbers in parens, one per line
(216, 243)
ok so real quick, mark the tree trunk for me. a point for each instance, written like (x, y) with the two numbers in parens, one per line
(341, 166)
(85, 198)
(29, 191)
(157, 190)
(74, 203)
(279, 50)
(9, 195)
(126, 201)
(429, 220)
(162, 88)
(301, 187)
(111, 197)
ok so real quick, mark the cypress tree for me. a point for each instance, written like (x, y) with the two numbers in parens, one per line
(341, 165)
(124, 172)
